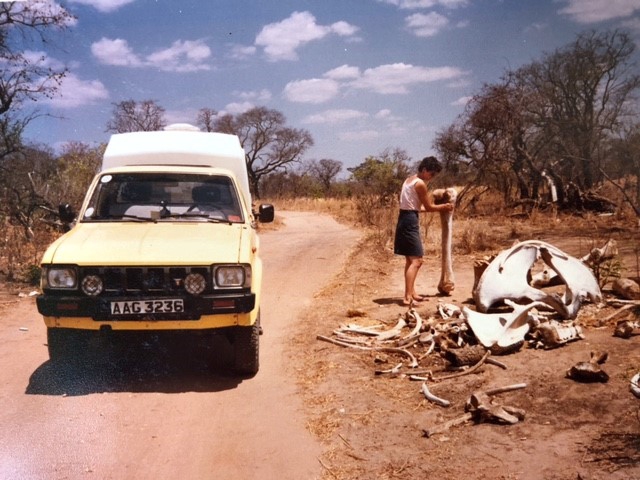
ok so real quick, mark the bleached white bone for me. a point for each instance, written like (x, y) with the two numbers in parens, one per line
(447, 281)
(598, 255)
(506, 279)
(579, 279)
(502, 329)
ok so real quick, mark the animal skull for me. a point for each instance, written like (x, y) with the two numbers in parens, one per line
(506, 278)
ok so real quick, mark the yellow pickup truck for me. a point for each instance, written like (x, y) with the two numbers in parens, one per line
(165, 241)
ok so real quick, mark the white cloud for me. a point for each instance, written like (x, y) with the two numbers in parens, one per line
(237, 107)
(281, 40)
(115, 52)
(428, 25)
(343, 29)
(105, 6)
(334, 116)
(537, 27)
(417, 4)
(187, 115)
(42, 60)
(74, 92)
(262, 96)
(39, 9)
(395, 78)
(461, 102)
(315, 90)
(384, 114)
(359, 135)
(398, 77)
(593, 11)
(343, 72)
(182, 56)
(241, 52)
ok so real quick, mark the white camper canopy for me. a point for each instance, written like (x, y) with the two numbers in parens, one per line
(179, 145)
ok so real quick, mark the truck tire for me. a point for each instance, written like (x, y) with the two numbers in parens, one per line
(246, 349)
(64, 344)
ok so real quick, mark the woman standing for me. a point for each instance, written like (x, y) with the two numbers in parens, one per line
(414, 198)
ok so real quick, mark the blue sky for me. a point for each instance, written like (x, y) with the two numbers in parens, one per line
(360, 75)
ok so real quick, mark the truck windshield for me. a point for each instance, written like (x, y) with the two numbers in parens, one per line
(164, 197)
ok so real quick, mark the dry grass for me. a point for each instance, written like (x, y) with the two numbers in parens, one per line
(481, 228)
(20, 253)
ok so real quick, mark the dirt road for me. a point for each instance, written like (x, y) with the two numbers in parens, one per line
(150, 417)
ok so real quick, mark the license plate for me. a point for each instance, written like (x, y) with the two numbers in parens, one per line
(141, 307)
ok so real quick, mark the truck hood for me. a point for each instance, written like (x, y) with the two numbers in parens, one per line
(131, 243)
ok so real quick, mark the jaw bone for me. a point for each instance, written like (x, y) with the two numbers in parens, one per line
(502, 329)
(506, 279)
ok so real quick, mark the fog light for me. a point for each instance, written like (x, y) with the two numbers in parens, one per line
(195, 283)
(92, 285)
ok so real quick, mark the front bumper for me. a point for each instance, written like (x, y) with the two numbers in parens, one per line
(99, 309)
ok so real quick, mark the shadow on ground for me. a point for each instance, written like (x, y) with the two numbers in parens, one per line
(138, 366)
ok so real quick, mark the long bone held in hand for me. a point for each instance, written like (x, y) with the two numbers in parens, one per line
(447, 280)
(506, 278)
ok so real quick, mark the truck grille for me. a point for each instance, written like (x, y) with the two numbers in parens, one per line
(142, 280)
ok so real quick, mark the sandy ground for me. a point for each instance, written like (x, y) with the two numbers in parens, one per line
(152, 414)
(315, 410)
(372, 426)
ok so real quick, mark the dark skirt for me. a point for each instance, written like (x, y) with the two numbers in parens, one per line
(407, 241)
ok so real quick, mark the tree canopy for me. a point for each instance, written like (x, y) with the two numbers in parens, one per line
(549, 124)
(268, 143)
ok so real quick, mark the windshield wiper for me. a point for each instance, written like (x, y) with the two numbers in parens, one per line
(196, 215)
(120, 217)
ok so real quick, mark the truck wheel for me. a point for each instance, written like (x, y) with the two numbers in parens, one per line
(246, 349)
(64, 344)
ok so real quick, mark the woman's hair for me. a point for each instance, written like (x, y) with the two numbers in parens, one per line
(430, 164)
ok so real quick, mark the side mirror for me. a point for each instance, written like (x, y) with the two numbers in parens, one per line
(66, 213)
(266, 213)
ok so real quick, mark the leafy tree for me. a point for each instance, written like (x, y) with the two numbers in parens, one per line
(383, 175)
(132, 116)
(325, 170)
(75, 168)
(290, 184)
(269, 145)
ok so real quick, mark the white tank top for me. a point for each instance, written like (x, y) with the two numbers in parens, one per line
(409, 199)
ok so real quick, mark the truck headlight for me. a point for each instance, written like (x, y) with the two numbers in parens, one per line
(233, 276)
(60, 277)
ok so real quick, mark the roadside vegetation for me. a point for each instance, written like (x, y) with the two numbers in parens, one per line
(557, 139)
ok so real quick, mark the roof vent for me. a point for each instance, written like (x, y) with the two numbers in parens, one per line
(181, 127)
